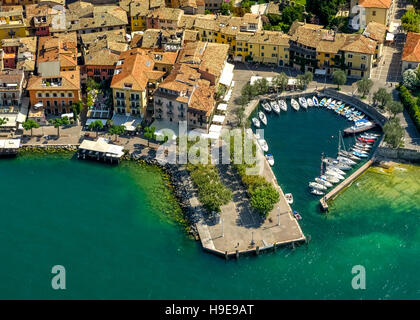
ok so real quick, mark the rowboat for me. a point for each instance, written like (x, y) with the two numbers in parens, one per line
(369, 141)
(262, 117)
(361, 155)
(322, 102)
(303, 102)
(295, 104)
(256, 122)
(332, 104)
(270, 159)
(317, 186)
(263, 144)
(283, 105)
(315, 100)
(327, 103)
(310, 102)
(289, 198)
(297, 215)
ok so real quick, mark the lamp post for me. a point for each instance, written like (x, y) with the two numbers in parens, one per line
(252, 238)
(223, 227)
(278, 215)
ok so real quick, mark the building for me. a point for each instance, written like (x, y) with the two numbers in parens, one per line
(376, 31)
(411, 53)
(12, 106)
(12, 22)
(138, 11)
(265, 47)
(19, 53)
(40, 17)
(189, 6)
(100, 52)
(135, 79)
(83, 17)
(187, 94)
(213, 4)
(164, 18)
(374, 11)
(57, 85)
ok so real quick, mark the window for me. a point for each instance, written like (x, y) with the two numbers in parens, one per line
(70, 95)
(349, 56)
(373, 13)
(62, 95)
(47, 95)
(262, 47)
(39, 95)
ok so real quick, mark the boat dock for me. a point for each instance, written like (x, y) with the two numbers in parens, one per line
(100, 149)
(334, 192)
(9, 147)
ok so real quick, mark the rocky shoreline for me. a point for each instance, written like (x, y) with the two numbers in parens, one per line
(182, 186)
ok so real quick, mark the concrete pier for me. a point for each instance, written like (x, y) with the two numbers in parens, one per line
(334, 192)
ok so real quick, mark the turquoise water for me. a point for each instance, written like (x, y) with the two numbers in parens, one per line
(113, 229)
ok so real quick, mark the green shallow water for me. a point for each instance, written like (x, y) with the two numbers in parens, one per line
(115, 230)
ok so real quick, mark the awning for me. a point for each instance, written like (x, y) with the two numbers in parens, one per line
(215, 128)
(222, 107)
(89, 121)
(320, 72)
(38, 105)
(68, 115)
(218, 119)
(389, 36)
(227, 75)
(227, 96)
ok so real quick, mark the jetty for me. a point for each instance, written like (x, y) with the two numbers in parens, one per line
(239, 230)
(101, 149)
(334, 192)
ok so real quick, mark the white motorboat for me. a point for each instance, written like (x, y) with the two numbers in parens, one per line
(289, 198)
(333, 168)
(263, 144)
(310, 102)
(334, 174)
(349, 155)
(295, 104)
(262, 117)
(270, 159)
(303, 103)
(346, 160)
(330, 178)
(275, 107)
(256, 122)
(317, 192)
(323, 182)
(283, 105)
(318, 186)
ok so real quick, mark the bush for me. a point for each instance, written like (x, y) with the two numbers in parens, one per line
(411, 105)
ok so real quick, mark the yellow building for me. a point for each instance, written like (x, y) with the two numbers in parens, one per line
(376, 31)
(358, 52)
(12, 23)
(376, 11)
(269, 47)
(137, 13)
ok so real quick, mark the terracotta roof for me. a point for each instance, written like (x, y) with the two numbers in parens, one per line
(134, 71)
(102, 57)
(375, 31)
(411, 50)
(270, 38)
(359, 43)
(61, 47)
(385, 4)
(296, 25)
(166, 14)
(70, 81)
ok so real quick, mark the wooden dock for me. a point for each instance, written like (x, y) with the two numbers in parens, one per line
(334, 192)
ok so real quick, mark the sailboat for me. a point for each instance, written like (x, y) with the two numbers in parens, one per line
(266, 106)
(303, 102)
(283, 105)
(256, 122)
(275, 107)
(315, 100)
(262, 117)
(310, 102)
(295, 104)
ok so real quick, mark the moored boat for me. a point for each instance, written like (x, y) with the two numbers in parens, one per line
(310, 102)
(266, 106)
(270, 159)
(256, 122)
(295, 104)
(275, 107)
(262, 117)
(283, 105)
(316, 185)
(289, 198)
(315, 100)
(297, 215)
(303, 102)
(317, 192)
(323, 182)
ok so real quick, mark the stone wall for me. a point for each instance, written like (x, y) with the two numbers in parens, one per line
(398, 154)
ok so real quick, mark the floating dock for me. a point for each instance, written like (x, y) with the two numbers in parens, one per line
(334, 192)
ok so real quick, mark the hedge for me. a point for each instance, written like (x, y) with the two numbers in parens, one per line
(411, 105)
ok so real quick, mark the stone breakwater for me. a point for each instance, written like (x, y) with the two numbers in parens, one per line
(183, 188)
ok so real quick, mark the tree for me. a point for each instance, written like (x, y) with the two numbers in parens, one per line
(109, 123)
(149, 133)
(411, 21)
(261, 86)
(77, 108)
(249, 91)
(30, 124)
(58, 122)
(3, 121)
(393, 132)
(304, 79)
(325, 10)
(96, 126)
(116, 130)
(280, 81)
(364, 86)
(291, 14)
(411, 78)
(226, 8)
(264, 198)
(240, 115)
(394, 108)
(382, 96)
(339, 78)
